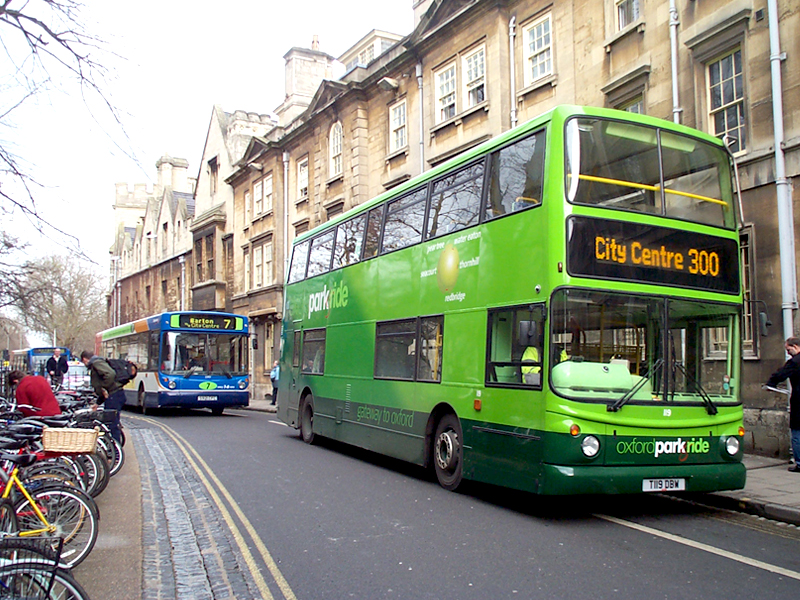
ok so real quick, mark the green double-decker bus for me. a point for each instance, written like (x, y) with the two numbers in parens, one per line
(558, 310)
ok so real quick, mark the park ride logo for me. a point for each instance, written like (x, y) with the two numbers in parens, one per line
(336, 297)
(656, 448)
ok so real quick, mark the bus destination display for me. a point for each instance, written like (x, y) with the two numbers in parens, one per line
(190, 321)
(635, 252)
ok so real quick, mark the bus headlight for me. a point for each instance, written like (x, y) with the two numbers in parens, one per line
(242, 384)
(172, 384)
(732, 445)
(590, 446)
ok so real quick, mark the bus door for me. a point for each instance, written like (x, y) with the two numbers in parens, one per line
(297, 355)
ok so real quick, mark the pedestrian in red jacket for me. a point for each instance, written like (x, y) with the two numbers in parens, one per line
(34, 391)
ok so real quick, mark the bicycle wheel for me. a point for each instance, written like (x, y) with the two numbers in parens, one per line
(64, 469)
(66, 588)
(8, 517)
(25, 581)
(73, 514)
(96, 469)
(112, 450)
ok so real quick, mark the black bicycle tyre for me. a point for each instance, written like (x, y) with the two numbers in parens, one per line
(116, 455)
(96, 468)
(8, 517)
(65, 587)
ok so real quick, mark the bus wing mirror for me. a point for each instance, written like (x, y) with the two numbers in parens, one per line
(254, 341)
(763, 323)
(527, 333)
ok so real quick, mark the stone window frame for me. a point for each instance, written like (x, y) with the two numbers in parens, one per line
(336, 150)
(246, 263)
(442, 112)
(739, 103)
(302, 179)
(269, 190)
(636, 13)
(395, 127)
(476, 82)
(528, 78)
(710, 39)
(625, 88)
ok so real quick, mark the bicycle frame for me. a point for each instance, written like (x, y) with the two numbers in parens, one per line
(13, 481)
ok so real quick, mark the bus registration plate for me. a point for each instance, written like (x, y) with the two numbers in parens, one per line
(663, 485)
(206, 398)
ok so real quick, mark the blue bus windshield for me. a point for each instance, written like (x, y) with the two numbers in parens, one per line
(184, 353)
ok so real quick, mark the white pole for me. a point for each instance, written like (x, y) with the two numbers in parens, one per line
(785, 216)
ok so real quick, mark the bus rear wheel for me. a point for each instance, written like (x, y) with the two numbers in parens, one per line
(307, 420)
(448, 452)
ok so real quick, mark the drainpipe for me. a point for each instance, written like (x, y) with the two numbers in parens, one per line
(512, 34)
(421, 121)
(674, 21)
(785, 217)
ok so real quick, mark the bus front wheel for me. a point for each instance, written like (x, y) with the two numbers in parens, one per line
(143, 402)
(448, 452)
(307, 419)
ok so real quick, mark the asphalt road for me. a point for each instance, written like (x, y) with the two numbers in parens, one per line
(330, 521)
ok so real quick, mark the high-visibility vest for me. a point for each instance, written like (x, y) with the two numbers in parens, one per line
(531, 354)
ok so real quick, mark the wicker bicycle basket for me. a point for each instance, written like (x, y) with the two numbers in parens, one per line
(69, 439)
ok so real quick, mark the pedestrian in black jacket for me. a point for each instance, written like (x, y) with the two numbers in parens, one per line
(57, 367)
(791, 371)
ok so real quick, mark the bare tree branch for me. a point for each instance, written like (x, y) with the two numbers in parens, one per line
(60, 294)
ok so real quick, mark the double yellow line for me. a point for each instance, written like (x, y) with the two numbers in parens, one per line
(217, 491)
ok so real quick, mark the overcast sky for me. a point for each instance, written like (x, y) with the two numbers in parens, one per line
(172, 61)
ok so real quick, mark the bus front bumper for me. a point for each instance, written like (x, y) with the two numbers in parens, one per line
(563, 480)
(204, 399)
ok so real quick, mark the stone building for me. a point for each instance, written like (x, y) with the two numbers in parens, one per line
(168, 239)
(152, 233)
(472, 69)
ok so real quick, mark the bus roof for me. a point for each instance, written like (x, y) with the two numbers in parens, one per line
(559, 113)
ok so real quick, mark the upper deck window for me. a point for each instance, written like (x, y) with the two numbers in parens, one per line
(630, 167)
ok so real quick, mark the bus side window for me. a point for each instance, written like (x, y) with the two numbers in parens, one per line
(314, 351)
(456, 200)
(372, 241)
(349, 239)
(404, 221)
(515, 347)
(319, 259)
(296, 353)
(297, 272)
(516, 178)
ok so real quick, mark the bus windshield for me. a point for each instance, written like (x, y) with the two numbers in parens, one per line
(644, 169)
(625, 349)
(203, 353)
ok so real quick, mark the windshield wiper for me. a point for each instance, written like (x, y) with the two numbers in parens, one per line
(711, 408)
(192, 371)
(657, 366)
